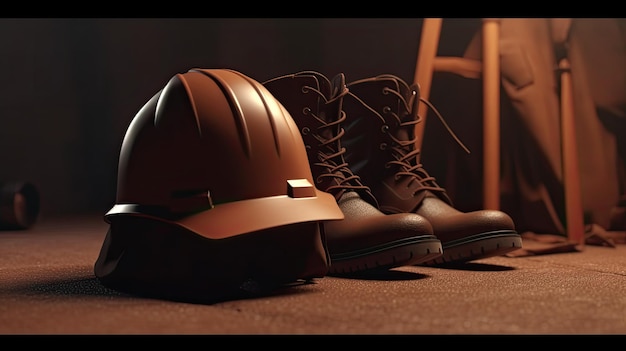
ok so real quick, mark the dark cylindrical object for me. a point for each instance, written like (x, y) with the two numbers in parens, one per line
(19, 205)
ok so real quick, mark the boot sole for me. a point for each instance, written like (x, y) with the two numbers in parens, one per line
(410, 251)
(476, 247)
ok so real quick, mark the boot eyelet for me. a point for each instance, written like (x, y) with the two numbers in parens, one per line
(386, 109)
(306, 131)
(385, 91)
(306, 111)
(307, 147)
(305, 89)
(384, 128)
(382, 146)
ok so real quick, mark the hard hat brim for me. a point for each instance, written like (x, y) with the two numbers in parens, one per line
(245, 216)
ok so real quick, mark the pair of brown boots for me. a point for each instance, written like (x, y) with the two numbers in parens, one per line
(361, 146)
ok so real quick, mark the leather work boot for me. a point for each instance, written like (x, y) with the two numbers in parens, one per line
(367, 238)
(381, 114)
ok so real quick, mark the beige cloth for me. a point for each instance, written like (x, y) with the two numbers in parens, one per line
(597, 53)
(532, 177)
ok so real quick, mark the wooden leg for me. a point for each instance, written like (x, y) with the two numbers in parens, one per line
(491, 114)
(571, 177)
(424, 67)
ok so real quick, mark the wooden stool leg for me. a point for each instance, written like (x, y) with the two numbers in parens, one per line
(571, 177)
(491, 114)
(424, 67)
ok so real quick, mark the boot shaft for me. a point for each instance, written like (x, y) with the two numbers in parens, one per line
(315, 104)
(381, 115)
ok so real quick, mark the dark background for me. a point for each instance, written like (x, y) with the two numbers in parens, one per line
(71, 86)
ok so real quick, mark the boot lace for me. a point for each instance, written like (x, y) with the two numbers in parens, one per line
(406, 154)
(332, 160)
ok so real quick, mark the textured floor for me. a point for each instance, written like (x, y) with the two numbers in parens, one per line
(48, 287)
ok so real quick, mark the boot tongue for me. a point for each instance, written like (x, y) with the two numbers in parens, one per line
(323, 84)
(406, 110)
(338, 85)
(331, 89)
(335, 92)
(407, 106)
(330, 110)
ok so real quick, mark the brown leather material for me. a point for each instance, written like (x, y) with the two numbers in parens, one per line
(366, 224)
(456, 225)
(366, 238)
(381, 114)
